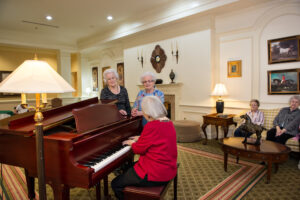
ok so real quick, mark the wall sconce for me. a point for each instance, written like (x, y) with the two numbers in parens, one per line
(140, 58)
(175, 53)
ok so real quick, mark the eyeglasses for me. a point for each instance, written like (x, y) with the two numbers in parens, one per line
(149, 81)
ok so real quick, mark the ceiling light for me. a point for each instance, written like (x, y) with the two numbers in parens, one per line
(109, 18)
(49, 18)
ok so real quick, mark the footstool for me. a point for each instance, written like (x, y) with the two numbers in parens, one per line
(187, 130)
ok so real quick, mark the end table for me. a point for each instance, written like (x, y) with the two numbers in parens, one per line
(223, 120)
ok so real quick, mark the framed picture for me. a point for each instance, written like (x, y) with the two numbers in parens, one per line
(283, 50)
(234, 68)
(103, 69)
(283, 81)
(3, 75)
(95, 78)
(120, 70)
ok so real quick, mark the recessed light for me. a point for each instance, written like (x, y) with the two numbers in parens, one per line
(109, 18)
(49, 18)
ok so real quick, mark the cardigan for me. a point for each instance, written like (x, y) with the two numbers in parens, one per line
(158, 151)
(122, 97)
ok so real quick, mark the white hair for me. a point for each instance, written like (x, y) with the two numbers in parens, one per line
(107, 71)
(148, 74)
(153, 107)
(297, 97)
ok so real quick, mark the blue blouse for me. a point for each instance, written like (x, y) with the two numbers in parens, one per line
(142, 94)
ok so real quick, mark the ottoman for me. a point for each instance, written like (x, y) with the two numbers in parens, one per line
(187, 130)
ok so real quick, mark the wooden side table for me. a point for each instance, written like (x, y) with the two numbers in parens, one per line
(218, 120)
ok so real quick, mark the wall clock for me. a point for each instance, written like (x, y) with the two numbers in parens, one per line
(158, 58)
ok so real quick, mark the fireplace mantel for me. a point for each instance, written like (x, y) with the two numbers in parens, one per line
(170, 89)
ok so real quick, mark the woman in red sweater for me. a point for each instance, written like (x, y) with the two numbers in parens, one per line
(157, 148)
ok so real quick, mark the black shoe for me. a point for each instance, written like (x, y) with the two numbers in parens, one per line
(262, 163)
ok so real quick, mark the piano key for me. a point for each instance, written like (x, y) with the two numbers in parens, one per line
(111, 158)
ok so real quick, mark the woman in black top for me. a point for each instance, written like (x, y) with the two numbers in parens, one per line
(115, 91)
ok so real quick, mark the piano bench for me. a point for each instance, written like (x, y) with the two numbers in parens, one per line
(150, 193)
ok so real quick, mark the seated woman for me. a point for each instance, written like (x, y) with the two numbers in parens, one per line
(256, 116)
(156, 147)
(115, 91)
(148, 80)
(286, 123)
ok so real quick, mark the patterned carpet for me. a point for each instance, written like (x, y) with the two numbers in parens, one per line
(201, 176)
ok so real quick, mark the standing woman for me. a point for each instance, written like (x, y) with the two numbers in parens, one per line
(148, 80)
(157, 148)
(115, 91)
(256, 116)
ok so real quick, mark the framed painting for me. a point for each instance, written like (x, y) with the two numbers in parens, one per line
(3, 75)
(283, 81)
(234, 68)
(103, 69)
(95, 78)
(120, 70)
(283, 50)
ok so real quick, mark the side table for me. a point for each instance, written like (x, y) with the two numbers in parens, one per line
(218, 120)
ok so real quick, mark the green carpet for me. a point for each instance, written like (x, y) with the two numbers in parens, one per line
(199, 175)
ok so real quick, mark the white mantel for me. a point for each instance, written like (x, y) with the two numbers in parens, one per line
(170, 89)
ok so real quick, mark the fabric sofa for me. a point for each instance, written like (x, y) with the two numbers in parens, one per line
(270, 114)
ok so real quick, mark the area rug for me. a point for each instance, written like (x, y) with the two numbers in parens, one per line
(201, 175)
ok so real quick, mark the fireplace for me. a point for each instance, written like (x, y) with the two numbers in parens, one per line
(172, 97)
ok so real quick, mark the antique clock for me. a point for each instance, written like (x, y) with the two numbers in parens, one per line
(158, 58)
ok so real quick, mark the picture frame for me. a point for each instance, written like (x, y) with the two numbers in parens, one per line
(284, 49)
(120, 70)
(103, 69)
(283, 81)
(95, 78)
(3, 75)
(234, 68)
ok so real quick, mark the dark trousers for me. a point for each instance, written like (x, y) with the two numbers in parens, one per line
(271, 135)
(130, 178)
(239, 133)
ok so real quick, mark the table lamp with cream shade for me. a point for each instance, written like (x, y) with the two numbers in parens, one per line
(38, 77)
(219, 90)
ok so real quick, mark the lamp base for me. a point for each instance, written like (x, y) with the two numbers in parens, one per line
(220, 106)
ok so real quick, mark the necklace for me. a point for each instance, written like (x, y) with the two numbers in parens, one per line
(115, 90)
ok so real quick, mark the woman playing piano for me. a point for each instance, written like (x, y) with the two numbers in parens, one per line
(156, 147)
(114, 91)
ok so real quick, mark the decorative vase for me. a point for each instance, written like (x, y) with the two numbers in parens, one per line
(172, 76)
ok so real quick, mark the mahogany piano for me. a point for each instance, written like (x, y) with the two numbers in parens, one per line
(82, 145)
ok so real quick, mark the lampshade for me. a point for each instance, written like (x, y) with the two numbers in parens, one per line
(34, 76)
(220, 90)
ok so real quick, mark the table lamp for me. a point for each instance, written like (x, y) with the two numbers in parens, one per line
(38, 77)
(220, 90)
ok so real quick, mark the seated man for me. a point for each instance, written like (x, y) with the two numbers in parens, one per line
(286, 123)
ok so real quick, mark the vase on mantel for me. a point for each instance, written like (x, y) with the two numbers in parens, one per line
(172, 76)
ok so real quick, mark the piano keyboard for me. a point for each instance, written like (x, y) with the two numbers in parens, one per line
(105, 159)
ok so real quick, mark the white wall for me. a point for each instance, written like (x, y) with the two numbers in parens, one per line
(192, 69)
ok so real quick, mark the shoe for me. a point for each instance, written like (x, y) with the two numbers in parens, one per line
(262, 163)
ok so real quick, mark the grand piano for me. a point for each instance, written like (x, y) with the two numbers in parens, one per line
(82, 145)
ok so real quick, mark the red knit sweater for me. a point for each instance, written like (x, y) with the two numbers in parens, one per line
(158, 151)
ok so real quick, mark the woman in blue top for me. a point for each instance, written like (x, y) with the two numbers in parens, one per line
(148, 80)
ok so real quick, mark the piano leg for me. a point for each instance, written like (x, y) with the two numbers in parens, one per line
(105, 180)
(30, 185)
(60, 191)
(98, 191)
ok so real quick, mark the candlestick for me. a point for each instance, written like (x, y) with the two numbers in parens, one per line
(23, 98)
(44, 98)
